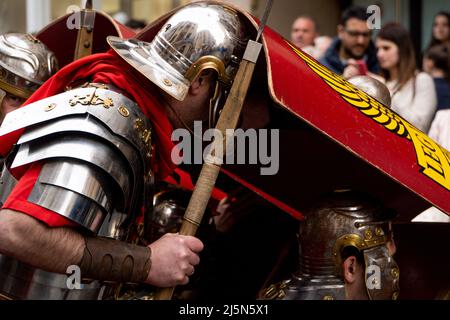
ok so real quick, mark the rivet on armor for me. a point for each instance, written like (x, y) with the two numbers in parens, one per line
(32, 38)
(395, 273)
(87, 44)
(73, 101)
(50, 107)
(124, 111)
(149, 155)
(378, 231)
(167, 82)
(368, 234)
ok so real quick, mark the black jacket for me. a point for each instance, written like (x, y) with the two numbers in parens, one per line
(332, 61)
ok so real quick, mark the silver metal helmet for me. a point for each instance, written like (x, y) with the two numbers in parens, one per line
(373, 87)
(169, 206)
(199, 36)
(343, 221)
(25, 64)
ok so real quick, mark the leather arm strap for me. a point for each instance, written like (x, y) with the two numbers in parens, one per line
(110, 260)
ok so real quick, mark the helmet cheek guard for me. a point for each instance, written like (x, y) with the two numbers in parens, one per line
(381, 270)
(382, 274)
(340, 220)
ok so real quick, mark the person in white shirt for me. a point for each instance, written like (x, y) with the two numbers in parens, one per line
(436, 62)
(322, 43)
(413, 93)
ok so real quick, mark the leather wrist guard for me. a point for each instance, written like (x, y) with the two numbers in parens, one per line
(110, 260)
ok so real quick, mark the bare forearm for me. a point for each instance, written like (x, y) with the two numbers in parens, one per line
(54, 249)
(28, 240)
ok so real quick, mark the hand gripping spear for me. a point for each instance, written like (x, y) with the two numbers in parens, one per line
(228, 120)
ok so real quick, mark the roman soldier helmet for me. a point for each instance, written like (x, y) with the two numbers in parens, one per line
(342, 221)
(169, 206)
(374, 88)
(199, 36)
(25, 64)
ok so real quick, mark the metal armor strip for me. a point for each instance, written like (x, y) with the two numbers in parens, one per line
(112, 227)
(85, 149)
(22, 281)
(120, 114)
(7, 184)
(79, 178)
(88, 125)
(90, 134)
(69, 204)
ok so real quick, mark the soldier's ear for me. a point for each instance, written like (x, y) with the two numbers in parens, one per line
(350, 267)
(202, 82)
(196, 85)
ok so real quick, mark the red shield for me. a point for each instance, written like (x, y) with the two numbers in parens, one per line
(334, 136)
(62, 40)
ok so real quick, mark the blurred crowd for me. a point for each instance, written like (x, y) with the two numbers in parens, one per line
(419, 86)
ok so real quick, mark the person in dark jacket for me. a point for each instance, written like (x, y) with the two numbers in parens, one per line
(352, 52)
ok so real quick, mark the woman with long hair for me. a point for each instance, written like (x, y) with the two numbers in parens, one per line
(413, 93)
(441, 29)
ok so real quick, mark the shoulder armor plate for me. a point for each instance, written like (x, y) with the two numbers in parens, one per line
(120, 114)
(96, 144)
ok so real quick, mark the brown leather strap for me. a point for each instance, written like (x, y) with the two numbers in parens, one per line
(110, 260)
